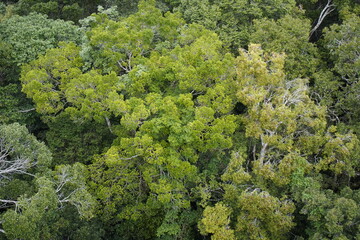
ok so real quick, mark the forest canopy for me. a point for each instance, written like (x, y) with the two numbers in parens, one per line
(178, 119)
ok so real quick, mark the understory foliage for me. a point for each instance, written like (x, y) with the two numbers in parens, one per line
(215, 120)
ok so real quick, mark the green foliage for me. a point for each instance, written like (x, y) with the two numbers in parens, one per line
(72, 142)
(233, 20)
(123, 44)
(19, 144)
(31, 35)
(290, 36)
(342, 42)
(234, 147)
(216, 221)
(32, 223)
(43, 74)
(201, 12)
(67, 10)
(330, 215)
(263, 216)
(10, 104)
(36, 193)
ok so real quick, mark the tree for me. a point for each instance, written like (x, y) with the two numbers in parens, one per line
(164, 133)
(30, 36)
(20, 152)
(27, 208)
(22, 40)
(68, 10)
(285, 130)
(289, 35)
(342, 42)
(233, 20)
(216, 220)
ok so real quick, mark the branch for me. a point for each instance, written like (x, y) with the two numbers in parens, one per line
(19, 165)
(129, 158)
(262, 152)
(6, 203)
(326, 11)
(123, 67)
(108, 124)
(63, 180)
(26, 110)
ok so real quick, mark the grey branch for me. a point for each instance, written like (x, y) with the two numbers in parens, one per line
(26, 110)
(16, 165)
(329, 7)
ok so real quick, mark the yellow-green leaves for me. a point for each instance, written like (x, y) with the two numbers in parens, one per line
(56, 80)
(216, 220)
(263, 216)
(280, 113)
(45, 79)
(124, 44)
(258, 216)
(92, 94)
(235, 173)
(338, 153)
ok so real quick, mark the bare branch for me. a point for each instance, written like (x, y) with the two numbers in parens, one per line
(108, 124)
(26, 110)
(123, 67)
(129, 158)
(18, 165)
(326, 11)
(8, 203)
(262, 151)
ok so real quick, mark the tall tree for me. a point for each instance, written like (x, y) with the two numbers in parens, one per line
(32, 195)
(342, 43)
(22, 39)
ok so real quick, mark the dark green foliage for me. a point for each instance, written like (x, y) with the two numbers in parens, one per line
(68, 10)
(76, 142)
(343, 45)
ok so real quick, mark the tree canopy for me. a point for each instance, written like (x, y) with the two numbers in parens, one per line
(179, 120)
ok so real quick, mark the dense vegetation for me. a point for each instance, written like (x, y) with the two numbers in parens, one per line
(180, 119)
